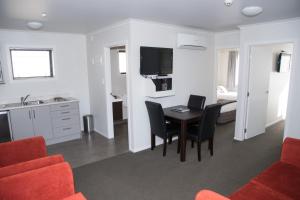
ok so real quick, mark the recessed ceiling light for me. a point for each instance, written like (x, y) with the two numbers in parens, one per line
(44, 14)
(34, 25)
(228, 2)
(252, 11)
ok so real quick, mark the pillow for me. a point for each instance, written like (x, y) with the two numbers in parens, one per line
(221, 89)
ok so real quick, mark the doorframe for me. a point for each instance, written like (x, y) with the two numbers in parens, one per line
(108, 88)
(242, 97)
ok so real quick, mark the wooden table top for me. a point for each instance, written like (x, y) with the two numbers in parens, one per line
(192, 114)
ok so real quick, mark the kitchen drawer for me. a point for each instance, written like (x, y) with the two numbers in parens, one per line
(67, 120)
(64, 106)
(67, 130)
(64, 113)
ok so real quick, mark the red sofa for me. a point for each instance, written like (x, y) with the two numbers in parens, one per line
(26, 172)
(281, 181)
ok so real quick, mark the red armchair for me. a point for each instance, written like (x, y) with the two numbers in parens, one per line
(279, 182)
(22, 150)
(53, 182)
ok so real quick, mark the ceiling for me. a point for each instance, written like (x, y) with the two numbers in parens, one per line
(84, 16)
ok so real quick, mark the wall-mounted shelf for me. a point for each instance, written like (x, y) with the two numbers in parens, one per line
(159, 86)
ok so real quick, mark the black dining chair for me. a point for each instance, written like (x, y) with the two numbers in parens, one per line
(159, 127)
(196, 102)
(205, 130)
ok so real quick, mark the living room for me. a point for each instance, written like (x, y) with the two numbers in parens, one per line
(81, 48)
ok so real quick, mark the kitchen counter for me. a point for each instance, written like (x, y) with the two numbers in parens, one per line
(13, 106)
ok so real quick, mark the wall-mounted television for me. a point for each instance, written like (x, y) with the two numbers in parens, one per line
(283, 62)
(156, 61)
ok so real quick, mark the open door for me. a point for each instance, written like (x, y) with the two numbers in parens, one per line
(260, 69)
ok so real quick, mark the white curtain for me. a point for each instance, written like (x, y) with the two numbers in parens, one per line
(232, 67)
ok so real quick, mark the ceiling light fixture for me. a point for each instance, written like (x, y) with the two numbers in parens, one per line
(228, 2)
(34, 25)
(44, 14)
(252, 11)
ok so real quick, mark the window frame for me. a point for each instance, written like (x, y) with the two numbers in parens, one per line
(50, 50)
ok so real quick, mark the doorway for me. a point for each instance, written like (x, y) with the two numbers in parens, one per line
(118, 62)
(268, 88)
(227, 83)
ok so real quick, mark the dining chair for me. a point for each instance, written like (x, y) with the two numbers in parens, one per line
(196, 102)
(205, 130)
(159, 127)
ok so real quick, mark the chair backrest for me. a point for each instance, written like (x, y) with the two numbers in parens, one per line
(196, 102)
(157, 118)
(209, 120)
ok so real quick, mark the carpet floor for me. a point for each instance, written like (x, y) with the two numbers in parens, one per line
(148, 175)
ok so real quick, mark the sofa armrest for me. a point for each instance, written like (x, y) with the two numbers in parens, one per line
(209, 195)
(22, 150)
(291, 151)
(78, 196)
(47, 183)
(30, 165)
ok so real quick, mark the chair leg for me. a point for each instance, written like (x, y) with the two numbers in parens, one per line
(178, 144)
(170, 139)
(199, 150)
(165, 147)
(192, 143)
(152, 141)
(211, 146)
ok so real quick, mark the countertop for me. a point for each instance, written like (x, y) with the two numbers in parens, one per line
(10, 106)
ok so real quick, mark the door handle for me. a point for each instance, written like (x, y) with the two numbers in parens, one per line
(34, 114)
(29, 113)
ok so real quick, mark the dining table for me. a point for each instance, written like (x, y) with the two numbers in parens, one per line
(182, 115)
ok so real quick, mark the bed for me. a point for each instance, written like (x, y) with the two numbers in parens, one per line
(228, 101)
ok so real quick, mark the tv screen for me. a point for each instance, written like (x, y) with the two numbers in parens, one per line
(156, 61)
(283, 62)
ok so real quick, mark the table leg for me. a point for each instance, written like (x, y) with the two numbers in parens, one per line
(183, 141)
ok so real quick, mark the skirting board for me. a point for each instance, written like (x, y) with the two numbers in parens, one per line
(158, 141)
(63, 139)
(274, 122)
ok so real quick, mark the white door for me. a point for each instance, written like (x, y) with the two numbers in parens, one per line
(21, 123)
(260, 68)
(42, 121)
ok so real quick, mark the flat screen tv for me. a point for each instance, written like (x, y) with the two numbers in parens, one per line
(283, 62)
(156, 61)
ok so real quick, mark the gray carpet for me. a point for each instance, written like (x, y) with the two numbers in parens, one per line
(148, 175)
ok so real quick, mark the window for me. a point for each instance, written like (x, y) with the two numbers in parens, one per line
(122, 62)
(31, 63)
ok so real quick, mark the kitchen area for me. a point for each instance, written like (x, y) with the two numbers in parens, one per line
(56, 119)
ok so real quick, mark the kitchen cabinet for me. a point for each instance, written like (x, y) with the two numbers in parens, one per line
(21, 123)
(55, 122)
(28, 122)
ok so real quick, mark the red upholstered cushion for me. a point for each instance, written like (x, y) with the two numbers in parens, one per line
(254, 191)
(209, 195)
(22, 150)
(282, 178)
(291, 151)
(78, 196)
(47, 183)
(30, 165)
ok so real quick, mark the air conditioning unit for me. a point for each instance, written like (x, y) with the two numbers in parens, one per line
(189, 41)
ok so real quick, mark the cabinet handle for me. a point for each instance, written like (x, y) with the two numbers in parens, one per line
(63, 106)
(34, 114)
(66, 118)
(67, 112)
(29, 113)
(65, 129)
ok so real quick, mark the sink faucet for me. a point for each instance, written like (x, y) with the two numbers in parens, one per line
(23, 99)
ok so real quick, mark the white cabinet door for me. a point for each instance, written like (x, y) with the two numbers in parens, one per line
(1, 74)
(42, 121)
(21, 123)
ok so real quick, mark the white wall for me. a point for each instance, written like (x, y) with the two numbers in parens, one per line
(270, 33)
(118, 80)
(69, 65)
(115, 35)
(193, 72)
